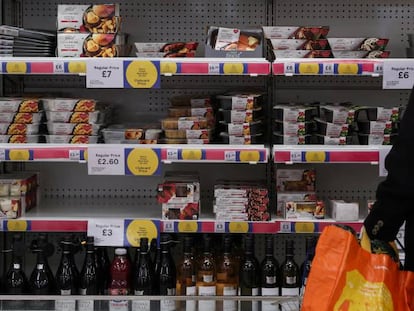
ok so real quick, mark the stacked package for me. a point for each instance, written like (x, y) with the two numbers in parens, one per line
(179, 195)
(20, 120)
(137, 133)
(22, 42)
(296, 197)
(191, 120)
(164, 49)
(18, 193)
(241, 201)
(74, 120)
(241, 118)
(89, 31)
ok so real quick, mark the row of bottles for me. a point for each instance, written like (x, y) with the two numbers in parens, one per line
(234, 271)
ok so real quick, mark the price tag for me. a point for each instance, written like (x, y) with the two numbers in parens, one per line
(74, 155)
(16, 67)
(104, 161)
(285, 227)
(296, 156)
(309, 68)
(230, 156)
(239, 227)
(168, 68)
(316, 156)
(108, 74)
(58, 67)
(214, 68)
(168, 226)
(305, 227)
(172, 154)
(188, 226)
(142, 74)
(1, 67)
(328, 69)
(379, 68)
(382, 155)
(398, 75)
(219, 227)
(290, 68)
(2, 154)
(107, 232)
(233, 68)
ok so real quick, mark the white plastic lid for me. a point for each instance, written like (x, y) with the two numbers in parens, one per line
(120, 251)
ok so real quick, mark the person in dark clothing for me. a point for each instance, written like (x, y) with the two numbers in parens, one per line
(395, 195)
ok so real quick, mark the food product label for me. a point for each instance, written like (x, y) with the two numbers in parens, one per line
(294, 128)
(85, 305)
(376, 139)
(336, 130)
(65, 305)
(207, 290)
(191, 305)
(197, 134)
(384, 114)
(292, 114)
(191, 291)
(118, 305)
(339, 116)
(270, 291)
(200, 102)
(273, 32)
(287, 44)
(141, 305)
(202, 112)
(380, 127)
(242, 102)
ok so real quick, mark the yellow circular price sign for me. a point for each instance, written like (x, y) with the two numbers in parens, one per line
(143, 162)
(19, 155)
(249, 156)
(233, 68)
(17, 225)
(142, 74)
(309, 68)
(238, 227)
(315, 156)
(138, 229)
(192, 154)
(304, 227)
(77, 67)
(188, 226)
(348, 69)
(16, 67)
(168, 67)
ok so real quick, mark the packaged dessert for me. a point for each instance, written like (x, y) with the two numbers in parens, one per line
(87, 45)
(240, 101)
(294, 113)
(10, 207)
(19, 129)
(295, 180)
(69, 104)
(195, 101)
(188, 134)
(283, 197)
(73, 128)
(242, 129)
(95, 18)
(241, 139)
(378, 114)
(299, 44)
(376, 139)
(353, 44)
(304, 210)
(302, 54)
(339, 114)
(184, 123)
(74, 117)
(169, 49)
(21, 117)
(281, 139)
(206, 112)
(332, 129)
(20, 139)
(294, 128)
(332, 140)
(296, 32)
(182, 211)
(241, 116)
(375, 127)
(117, 133)
(8, 104)
(71, 139)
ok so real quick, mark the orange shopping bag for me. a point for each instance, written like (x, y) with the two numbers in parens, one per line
(346, 277)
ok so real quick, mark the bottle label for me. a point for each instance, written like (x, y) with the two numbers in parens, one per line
(190, 291)
(207, 278)
(270, 280)
(16, 266)
(141, 305)
(82, 291)
(207, 290)
(167, 305)
(118, 305)
(291, 280)
(270, 291)
(255, 291)
(270, 306)
(171, 291)
(65, 292)
(289, 291)
(39, 266)
(229, 291)
(229, 305)
(85, 305)
(138, 292)
(65, 305)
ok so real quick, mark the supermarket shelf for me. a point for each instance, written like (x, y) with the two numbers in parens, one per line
(328, 154)
(179, 66)
(328, 66)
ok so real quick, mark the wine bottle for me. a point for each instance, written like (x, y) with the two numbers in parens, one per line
(206, 276)
(167, 275)
(119, 282)
(227, 276)
(270, 274)
(186, 274)
(290, 277)
(249, 276)
(310, 243)
(143, 277)
(89, 277)
(16, 282)
(104, 264)
(67, 277)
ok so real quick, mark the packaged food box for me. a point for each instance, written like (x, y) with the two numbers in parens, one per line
(296, 32)
(241, 139)
(169, 49)
(21, 139)
(19, 129)
(87, 45)
(281, 139)
(376, 139)
(232, 42)
(294, 128)
(206, 112)
(184, 123)
(10, 207)
(283, 197)
(73, 128)
(375, 127)
(332, 129)
(340, 210)
(241, 116)
(352, 44)
(302, 54)
(231, 201)
(188, 134)
(361, 54)
(21, 117)
(95, 18)
(304, 210)
(242, 129)
(286, 44)
(17, 184)
(116, 133)
(69, 104)
(338, 114)
(240, 101)
(183, 141)
(71, 139)
(178, 192)
(75, 117)
(14, 105)
(329, 140)
(295, 180)
(378, 114)
(184, 211)
(294, 113)
(196, 101)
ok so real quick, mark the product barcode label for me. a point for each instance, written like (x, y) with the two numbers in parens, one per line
(214, 68)
(65, 305)
(85, 305)
(141, 305)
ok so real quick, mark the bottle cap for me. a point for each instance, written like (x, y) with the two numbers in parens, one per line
(120, 251)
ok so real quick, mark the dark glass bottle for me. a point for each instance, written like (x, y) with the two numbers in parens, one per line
(104, 264)
(167, 275)
(270, 274)
(89, 276)
(186, 274)
(143, 280)
(307, 263)
(290, 274)
(249, 276)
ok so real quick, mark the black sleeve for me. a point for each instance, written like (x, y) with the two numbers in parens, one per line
(395, 195)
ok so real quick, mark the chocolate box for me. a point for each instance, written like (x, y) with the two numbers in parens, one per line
(295, 180)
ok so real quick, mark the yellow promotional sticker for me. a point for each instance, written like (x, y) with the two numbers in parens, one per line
(188, 226)
(249, 156)
(19, 155)
(233, 68)
(138, 229)
(304, 227)
(191, 154)
(168, 68)
(309, 68)
(17, 225)
(348, 69)
(143, 162)
(315, 156)
(141, 74)
(16, 67)
(238, 227)
(77, 67)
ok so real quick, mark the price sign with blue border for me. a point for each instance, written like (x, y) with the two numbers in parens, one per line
(135, 229)
(16, 67)
(19, 155)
